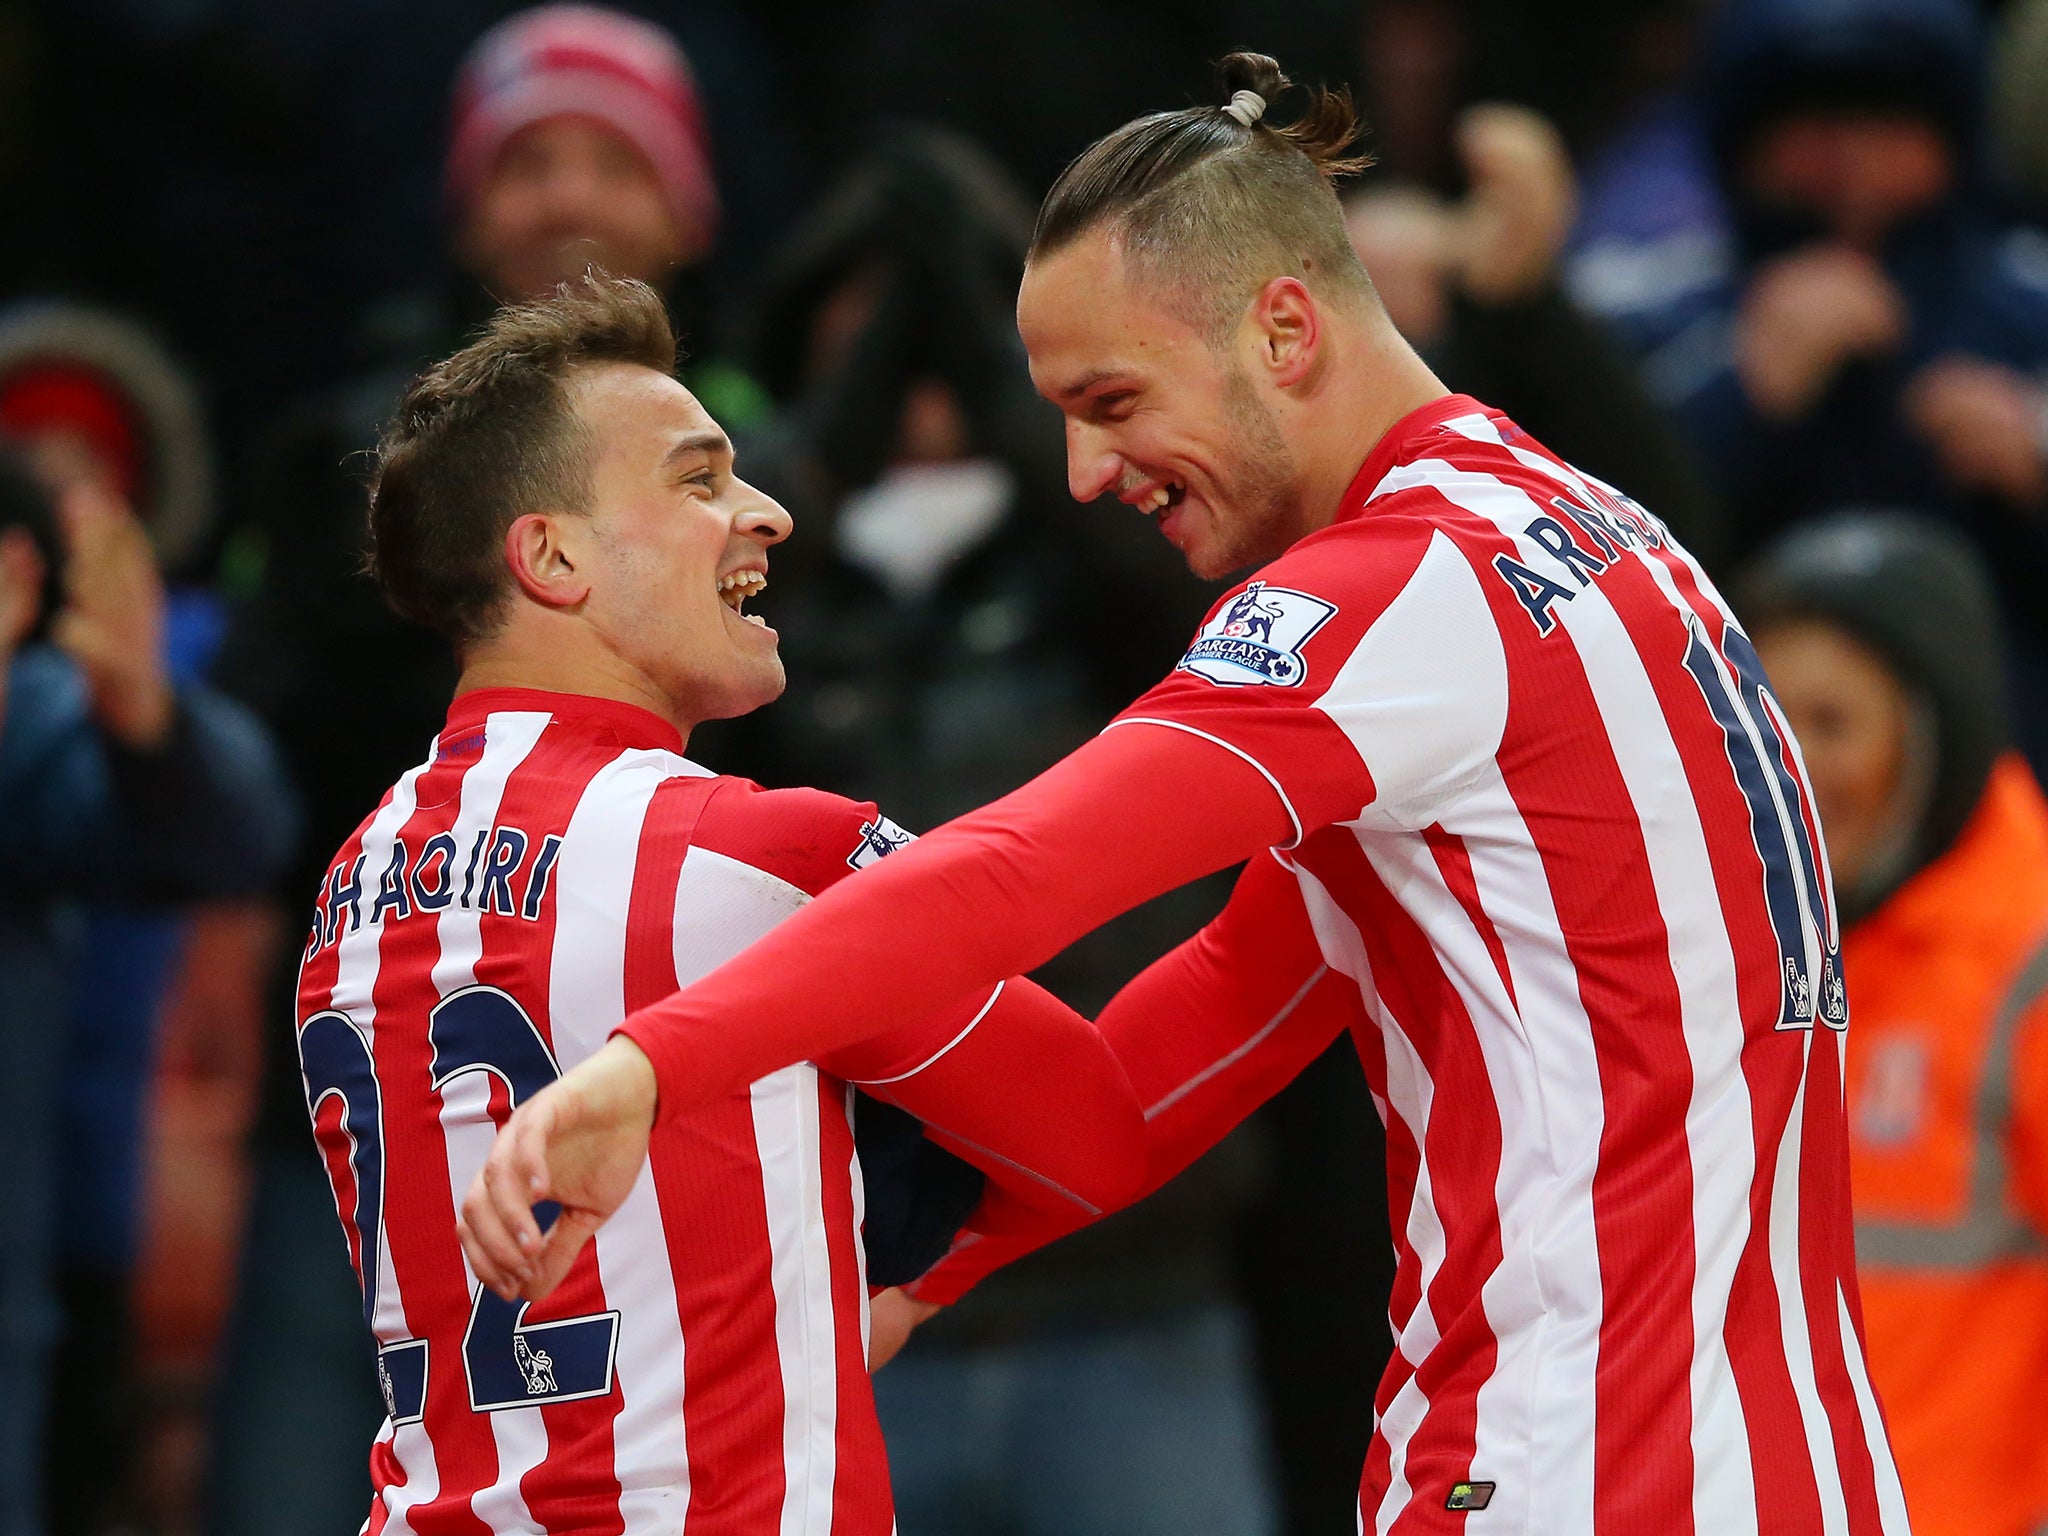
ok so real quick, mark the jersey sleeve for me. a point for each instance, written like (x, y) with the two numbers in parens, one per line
(1070, 1139)
(1206, 1035)
(807, 837)
(1025, 1089)
(992, 895)
(1362, 669)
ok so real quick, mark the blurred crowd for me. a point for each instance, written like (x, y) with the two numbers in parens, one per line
(1778, 268)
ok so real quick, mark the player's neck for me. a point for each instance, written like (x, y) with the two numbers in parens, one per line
(554, 663)
(1379, 379)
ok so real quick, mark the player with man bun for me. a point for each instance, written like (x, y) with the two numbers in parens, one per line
(1522, 815)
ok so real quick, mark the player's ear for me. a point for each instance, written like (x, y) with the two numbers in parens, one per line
(541, 562)
(1288, 329)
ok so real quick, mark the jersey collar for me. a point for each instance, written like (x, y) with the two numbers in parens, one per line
(632, 725)
(1400, 442)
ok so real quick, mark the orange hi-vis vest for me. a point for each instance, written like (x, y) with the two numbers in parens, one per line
(1948, 1122)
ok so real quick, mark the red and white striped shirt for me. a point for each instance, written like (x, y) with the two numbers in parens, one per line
(554, 864)
(1555, 862)
(1557, 836)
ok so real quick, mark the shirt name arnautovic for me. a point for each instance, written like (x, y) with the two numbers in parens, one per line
(1579, 544)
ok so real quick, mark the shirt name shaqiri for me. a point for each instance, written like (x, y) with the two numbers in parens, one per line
(493, 874)
(1582, 541)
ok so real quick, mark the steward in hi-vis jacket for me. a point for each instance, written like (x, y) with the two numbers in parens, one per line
(1945, 894)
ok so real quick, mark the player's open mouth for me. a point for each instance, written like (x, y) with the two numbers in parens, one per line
(1165, 496)
(735, 589)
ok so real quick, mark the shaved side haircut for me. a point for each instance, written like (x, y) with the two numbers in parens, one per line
(490, 434)
(1209, 204)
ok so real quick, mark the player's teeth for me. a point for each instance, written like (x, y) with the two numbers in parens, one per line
(1157, 499)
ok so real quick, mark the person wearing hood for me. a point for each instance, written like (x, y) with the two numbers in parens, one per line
(1871, 331)
(1880, 637)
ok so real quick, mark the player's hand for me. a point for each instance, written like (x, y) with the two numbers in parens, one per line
(1984, 423)
(580, 1143)
(1520, 209)
(112, 623)
(893, 1315)
(1806, 314)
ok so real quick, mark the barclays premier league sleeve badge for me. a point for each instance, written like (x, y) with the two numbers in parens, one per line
(878, 839)
(1257, 637)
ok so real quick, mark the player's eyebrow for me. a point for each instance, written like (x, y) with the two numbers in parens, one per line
(711, 443)
(1088, 381)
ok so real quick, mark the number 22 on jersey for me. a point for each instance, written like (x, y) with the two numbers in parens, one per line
(507, 1362)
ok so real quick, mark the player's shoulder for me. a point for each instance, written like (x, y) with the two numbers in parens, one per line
(1471, 484)
(1434, 476)
(1296, 619)
(810, 838)
(1356, 565)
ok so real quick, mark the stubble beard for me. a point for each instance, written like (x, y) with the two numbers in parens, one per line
(1261, 515)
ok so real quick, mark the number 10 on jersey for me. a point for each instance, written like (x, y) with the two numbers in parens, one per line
(1782, 826)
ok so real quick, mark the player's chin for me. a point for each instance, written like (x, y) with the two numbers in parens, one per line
(739, 687)
(1210, 558)
(764, 683)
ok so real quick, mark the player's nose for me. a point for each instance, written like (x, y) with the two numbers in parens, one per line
(1092, 466)
(759, 515)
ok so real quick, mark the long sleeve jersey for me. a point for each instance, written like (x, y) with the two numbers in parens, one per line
(1548, 826)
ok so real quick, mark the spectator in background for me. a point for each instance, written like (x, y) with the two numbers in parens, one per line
(1473, 286)
(1875, 335)
(928, 485)
(1880, 636)
(576, 140)
(94, 402)
(120, 785)
(952, 623)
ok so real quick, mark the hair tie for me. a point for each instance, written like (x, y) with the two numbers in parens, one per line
(1246, 106)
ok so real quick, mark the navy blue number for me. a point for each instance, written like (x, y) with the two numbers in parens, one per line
(339, 1066)
(1801, 913)
(511, 1363)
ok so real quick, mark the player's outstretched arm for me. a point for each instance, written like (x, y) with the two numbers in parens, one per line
(1136, 812)
(1206, 1035)
(1017, 1083)
(1022, 1087)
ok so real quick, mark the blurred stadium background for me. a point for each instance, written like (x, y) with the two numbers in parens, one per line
(1776, 267)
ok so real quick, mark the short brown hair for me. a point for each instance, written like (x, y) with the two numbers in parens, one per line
(1210, 207)
(488, 435)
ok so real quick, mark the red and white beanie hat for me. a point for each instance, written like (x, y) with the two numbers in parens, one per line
(585, 61)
